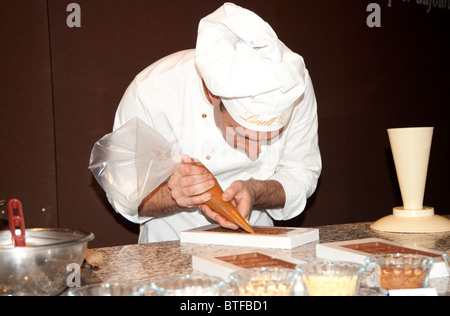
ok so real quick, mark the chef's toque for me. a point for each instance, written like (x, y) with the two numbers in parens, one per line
(243, 62)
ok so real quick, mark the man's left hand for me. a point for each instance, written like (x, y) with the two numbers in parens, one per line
(239, 194)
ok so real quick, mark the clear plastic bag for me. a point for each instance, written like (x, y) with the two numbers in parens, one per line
(132, 161)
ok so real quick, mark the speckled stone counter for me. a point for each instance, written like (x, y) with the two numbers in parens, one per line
(150, 262)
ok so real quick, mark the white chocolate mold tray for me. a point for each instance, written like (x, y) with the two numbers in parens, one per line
(357, 250)
(221, 264)
(265, 237)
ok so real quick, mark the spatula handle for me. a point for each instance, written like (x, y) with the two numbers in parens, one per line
(16, 222)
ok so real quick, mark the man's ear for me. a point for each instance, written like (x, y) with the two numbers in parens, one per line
(213, 99)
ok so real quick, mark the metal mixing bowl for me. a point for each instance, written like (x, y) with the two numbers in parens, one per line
(40, 268)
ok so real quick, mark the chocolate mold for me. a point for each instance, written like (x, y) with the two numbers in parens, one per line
(381, 248)
(264, 237)
(223, 263)
(357, 250)
(256, 260)
(258, 230)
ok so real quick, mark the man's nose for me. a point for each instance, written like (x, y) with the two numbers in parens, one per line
(253, 149)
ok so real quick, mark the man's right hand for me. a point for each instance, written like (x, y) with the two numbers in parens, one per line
(189, 184)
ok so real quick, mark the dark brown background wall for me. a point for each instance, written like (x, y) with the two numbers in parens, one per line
(60, 86)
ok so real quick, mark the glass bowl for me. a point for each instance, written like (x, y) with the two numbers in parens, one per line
(399, 271)
(330, 278)
(189, 285)
(108, 289)
(264, 281)
(446, 256)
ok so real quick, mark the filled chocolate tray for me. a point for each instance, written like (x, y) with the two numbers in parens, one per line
(358, 250)
(224, 263)
(256, 260)
(264, 237)
(380, 248)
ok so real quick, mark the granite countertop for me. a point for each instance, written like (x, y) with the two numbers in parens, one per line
(150, 262)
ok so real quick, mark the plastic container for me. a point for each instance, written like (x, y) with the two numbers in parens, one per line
(188, 285)
(40, 268)
(446, 256)
(109, 289)
(264, 281)
(399, 271)
(330, 278)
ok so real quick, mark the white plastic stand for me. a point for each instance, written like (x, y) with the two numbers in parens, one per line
(411, 151)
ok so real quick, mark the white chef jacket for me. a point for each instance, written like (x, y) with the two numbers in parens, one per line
(169, 97)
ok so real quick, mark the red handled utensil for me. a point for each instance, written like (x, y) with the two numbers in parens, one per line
(16, 222)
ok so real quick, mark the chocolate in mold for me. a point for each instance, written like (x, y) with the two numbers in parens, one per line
(380, 248)
(225, 209)
(258, 230)
(256, 260)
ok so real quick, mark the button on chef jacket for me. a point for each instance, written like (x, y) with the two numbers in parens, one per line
(169, 97)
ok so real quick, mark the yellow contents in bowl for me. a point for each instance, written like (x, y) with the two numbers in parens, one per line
(265, 281)
(264, 288)
(330, 285)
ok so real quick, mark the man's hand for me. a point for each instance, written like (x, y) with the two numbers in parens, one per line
(246, 195)
(188, 187)
(189, 184)
(240, 196)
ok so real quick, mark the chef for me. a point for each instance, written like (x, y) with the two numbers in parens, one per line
(241, 103)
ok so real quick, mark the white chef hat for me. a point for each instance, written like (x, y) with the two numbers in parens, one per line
(243, 62)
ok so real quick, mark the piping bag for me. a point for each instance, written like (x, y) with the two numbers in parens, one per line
(225, 209)
(135, 159)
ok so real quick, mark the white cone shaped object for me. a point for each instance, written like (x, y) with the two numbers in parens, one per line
(411, 151)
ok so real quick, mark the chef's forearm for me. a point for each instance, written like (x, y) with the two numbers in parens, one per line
(266, 194)
(158, 203)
